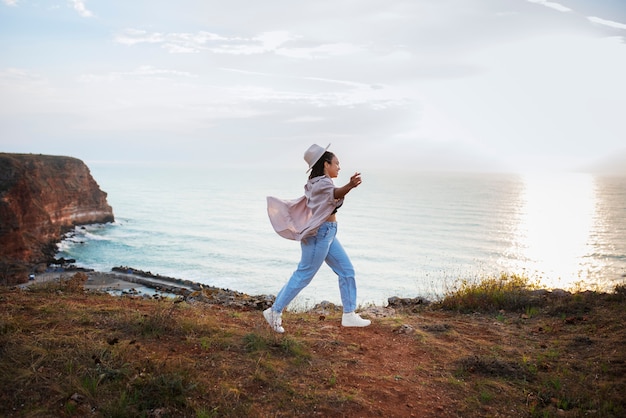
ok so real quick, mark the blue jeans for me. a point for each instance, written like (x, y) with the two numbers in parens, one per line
(315, 250)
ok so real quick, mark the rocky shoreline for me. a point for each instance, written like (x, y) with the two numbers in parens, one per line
(131, 282)
(128, 281)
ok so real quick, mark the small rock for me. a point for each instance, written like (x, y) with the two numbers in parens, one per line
(437, 328)
(406, 302)
(379, 311)
(404, 329)
(78, 398)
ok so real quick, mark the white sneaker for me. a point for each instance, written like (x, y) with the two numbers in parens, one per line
(274, 319)
(352, 319)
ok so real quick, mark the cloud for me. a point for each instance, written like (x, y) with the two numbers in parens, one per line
(79, 6)
(552, 5)
(593, 19)
(10, 2)
(500, 78)
(16, 74)
(609, 23)
(200, 41)
(20, 80)
(320, 51)
(305, 119)
(144, 71)
(280, 42)
(323, 92)
(318, 79)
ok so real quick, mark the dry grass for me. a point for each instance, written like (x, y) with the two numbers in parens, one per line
(67, 352)
(509, 292)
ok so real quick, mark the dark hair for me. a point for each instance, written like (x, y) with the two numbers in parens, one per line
(318, 167)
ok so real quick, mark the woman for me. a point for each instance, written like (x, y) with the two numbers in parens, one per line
(312, 220)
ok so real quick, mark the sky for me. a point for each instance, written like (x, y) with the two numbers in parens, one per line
(504, 85)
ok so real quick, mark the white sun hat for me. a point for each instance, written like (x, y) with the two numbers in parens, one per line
(313, 154)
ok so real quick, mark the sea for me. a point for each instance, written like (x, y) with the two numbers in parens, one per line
(408, 234)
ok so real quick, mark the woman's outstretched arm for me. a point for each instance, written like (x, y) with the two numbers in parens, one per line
(355, 180)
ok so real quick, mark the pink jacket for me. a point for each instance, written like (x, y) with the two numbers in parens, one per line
(299, 218)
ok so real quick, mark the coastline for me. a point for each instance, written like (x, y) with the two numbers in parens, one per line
(96, 280)
(127, 281)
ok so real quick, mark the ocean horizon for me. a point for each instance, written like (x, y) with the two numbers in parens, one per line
(408, 234)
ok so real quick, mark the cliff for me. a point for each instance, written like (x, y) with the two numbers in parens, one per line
(41, 198)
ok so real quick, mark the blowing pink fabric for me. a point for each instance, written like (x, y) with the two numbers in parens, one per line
(299, 218)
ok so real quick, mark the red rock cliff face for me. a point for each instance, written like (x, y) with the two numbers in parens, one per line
(42, 197)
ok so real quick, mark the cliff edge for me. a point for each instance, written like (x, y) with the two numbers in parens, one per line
(41, 198)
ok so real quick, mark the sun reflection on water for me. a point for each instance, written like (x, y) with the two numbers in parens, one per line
(553, 233)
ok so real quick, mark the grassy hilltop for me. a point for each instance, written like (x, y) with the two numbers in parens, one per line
(492, 349)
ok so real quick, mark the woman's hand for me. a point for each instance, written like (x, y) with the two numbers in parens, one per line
(355, 180)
